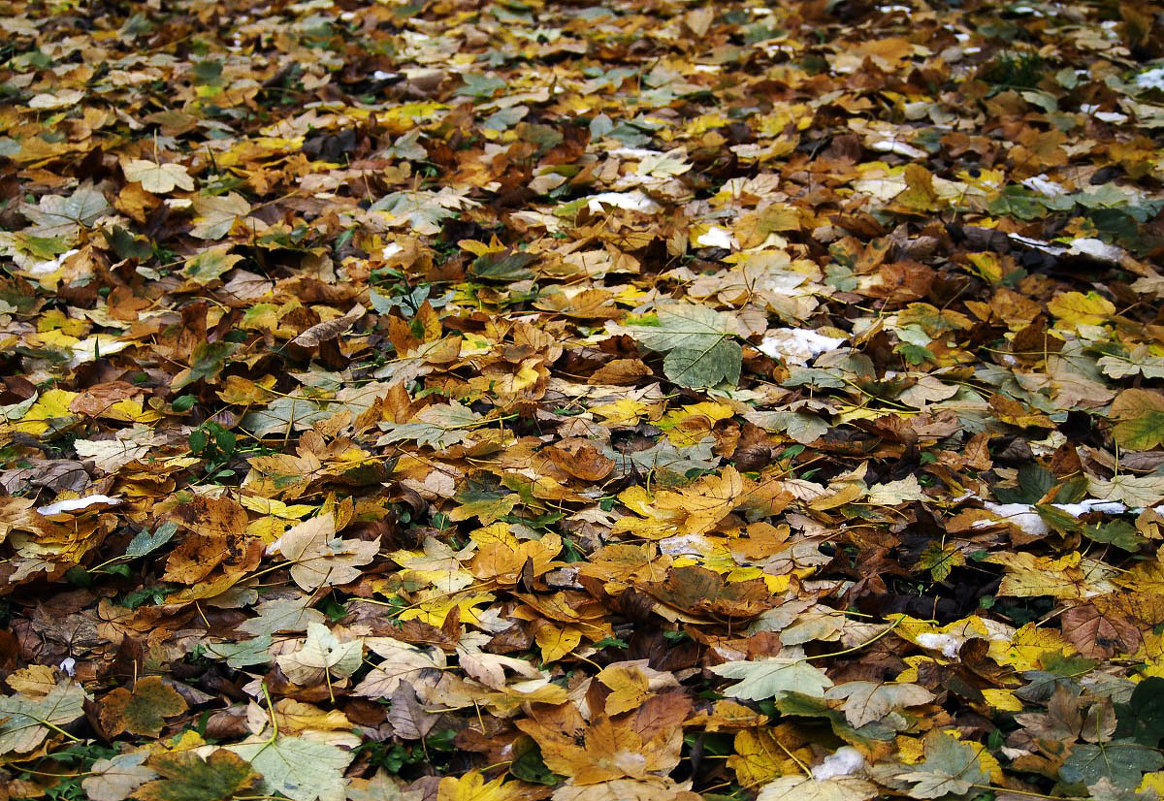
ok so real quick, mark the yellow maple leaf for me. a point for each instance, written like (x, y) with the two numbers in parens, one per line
(130, 410)
(556, 641)
(1025, 649)
(688, 425)
(1068, 577)
(1074, 309)
(52, 405)
(707, 501)
(626, 411)
(763, 754)
(629, 688)
(434, 609)
(473, 787)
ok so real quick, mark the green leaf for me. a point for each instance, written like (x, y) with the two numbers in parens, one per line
(62, 216)
(1018, 202)
(803, 427)
(1034, 481)
(698, 342)
(211, 263)
(951, 767)
(145, 542)
(207, 362)
(480, 86)
(302, 770)
(207, 72)
(1122, 762)
(773, 678)
(244, 653)
(25, 722)
(502, 265)
(1119, 533)
(1142, 718)
(283, 416)
(187, 777)
(440, 426)
(704, 367)
(1058, 519)
(529, 766)
(1140, 413)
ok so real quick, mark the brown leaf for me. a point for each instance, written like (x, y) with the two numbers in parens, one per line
(143, 710)
(1100, 635)
(329, 329)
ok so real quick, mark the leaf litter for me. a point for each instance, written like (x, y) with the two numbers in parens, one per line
(440, 401)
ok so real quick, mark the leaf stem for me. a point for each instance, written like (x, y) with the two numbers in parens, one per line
(859, 646)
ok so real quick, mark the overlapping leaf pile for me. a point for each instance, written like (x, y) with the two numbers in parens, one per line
(447, 400)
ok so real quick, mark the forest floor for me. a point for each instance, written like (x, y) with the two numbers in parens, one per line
(498, 401)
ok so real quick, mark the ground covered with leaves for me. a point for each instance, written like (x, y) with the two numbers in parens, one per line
(505, 400)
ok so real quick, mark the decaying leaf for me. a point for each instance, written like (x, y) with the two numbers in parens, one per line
(319, 558)
(512, 401)
(142, 710)
(188, 777)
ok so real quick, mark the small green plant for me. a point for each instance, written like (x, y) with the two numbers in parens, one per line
(1022, 70)
(216, 445)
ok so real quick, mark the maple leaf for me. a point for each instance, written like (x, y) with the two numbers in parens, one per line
(806, 788)
(867, 701)
(950, 767)
(401, 662)
(188, 777)
(217, 214)
(318, 557)
(160, 179)
(322, 654)
(1140, 416)
(299, 768)
(278, 614)
(472, 787)
(439, 426)
(409, 719)
(143, 710)
(1121, 762)
(821, 364)
(115, 778)
(25, 721)
(421, 210)
(698, 343)
(772, 678)
(55, 215)
(762, 754)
